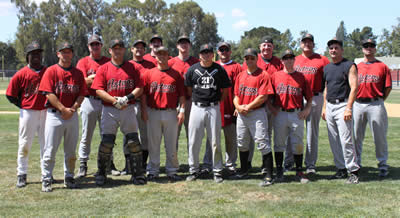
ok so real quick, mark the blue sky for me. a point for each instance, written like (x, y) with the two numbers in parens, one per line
(321, 18)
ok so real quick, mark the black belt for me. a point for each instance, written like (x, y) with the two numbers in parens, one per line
(367, 100)
(291, 110)
(201, 104)
(93, 97)
(162, 109)
(317, 93)
(52, 110)
(336, 101)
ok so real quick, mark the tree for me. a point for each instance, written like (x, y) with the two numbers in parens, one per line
(390, 41)
(11, 61)
(341, 32)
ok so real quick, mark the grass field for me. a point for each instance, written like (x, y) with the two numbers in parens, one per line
(372, 197)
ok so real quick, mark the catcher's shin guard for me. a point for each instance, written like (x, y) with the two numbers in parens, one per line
(105, 151)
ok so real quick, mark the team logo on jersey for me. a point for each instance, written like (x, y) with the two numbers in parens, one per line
(368, 78)
(247, 91)
(113, 85)
(60, 87)
(163, 88)
(206, 79)
(306, 69)
(288, 89)
(31, 89)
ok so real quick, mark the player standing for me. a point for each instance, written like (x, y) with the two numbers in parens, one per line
(164, 91)
(65, 89)
(155, 42)
(118, 84)
(23, 92)
(339, 96)
(207, 82)
(252, 88)
(374, 86)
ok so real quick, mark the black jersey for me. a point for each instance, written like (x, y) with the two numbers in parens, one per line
(336, 76)
(207, 82)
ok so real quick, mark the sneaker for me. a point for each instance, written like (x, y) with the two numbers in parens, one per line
(192, 177)
(112, 170)
(279, 175)
(231, 170)
(218, 178)
(46, 186)
(353, 179)
(383, 173)
(267, 181)
(205, 171)
(21, 181)
(100, 179)
(151, 177)
(174, 178)
(288, 167)
(82, 170)
(69, 182)
(340, 174)
(139, 180)
(310, 171)
(302, 178)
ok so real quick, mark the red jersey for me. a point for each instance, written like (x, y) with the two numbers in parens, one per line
(89, 66)
(144, 63)
(66, 84)
(313, 70)
(150, 58)
(373, 78)
(226, 107)
(182, 66)
(24, 85)
(163, 88)
(117, 81)
(290, 89)
(249, 86)
(273, 66)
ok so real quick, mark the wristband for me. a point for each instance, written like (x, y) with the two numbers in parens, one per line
(181, 110)
(130, 96)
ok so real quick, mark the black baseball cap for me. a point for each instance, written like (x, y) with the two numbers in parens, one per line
(206, 47)
(115, 42)
(267, 39)
(287, 53)
(65, 45)
(33, 46)
(183, 38)
(368, 41)
(335, 41)
(308, 36)
(219, 45)
(250, 52)
(155, 37)
(161, 49)
(94, 38)
(139, 41)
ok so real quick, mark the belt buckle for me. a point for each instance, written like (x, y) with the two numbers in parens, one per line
(337, 101)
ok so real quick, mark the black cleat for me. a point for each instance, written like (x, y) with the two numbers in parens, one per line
(21, 181)
(340, 174)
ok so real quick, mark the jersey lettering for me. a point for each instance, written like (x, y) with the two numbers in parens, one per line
(306, 69)
(206, 80)
(60, 87)
(247, 91)
(368, 78)
(164, 88)
(113, 85)
(288, 89)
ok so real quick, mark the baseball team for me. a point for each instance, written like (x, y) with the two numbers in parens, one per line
(151, 96)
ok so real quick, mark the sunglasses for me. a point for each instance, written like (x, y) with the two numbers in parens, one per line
(224, 49)
(369, 46)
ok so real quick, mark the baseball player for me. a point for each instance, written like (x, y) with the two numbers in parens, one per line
(65, 89)
(312, 66)
(374, 86)
(155, 42)
(271, 64)
(91, 106)
(164, 91)
(23, 92)
(138, 49)
(207, 82)
(227, 110)
(252, 88)
(340, 92)
(288, 108)
(118, 84)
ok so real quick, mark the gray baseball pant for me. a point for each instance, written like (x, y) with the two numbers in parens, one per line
(373, 113)
(112, 118)
(340, 134)
(288, 124)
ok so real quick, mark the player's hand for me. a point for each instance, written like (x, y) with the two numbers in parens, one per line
(347, 114)
(303, 114)
(91, 76)
(67, 113)
(117, 105)
(323, 115)
(242, 109)
(235, 113)
(181, 118)
(144, 115)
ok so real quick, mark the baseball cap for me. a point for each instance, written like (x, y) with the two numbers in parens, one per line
(206, 47)
(33, 46)
(161, 49)
(65, 45)
(368, 41)
(139, 41)
(250, 52)
(335, 40)
(94, 38)
(287, 53)
(267, 39)
(115, 42)
(219, 45)
(155, 37)
(308, 36)
(183, 37)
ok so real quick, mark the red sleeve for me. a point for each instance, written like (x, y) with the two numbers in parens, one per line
(47, 82)
(307, 90)
(236, 91)
(14, 85)
(137, 78)
(83, 89)
(145, 79)
(266, 88)
(82, 66)
(388, 77)
(180, 86)
(99, 80)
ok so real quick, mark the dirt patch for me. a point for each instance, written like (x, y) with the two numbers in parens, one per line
(393, 110)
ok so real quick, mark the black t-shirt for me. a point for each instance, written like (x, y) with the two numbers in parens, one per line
(207, 82)
(336, 76)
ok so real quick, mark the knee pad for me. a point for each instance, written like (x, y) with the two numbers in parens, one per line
(107, 143)
(132, 142)
(298, 149)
